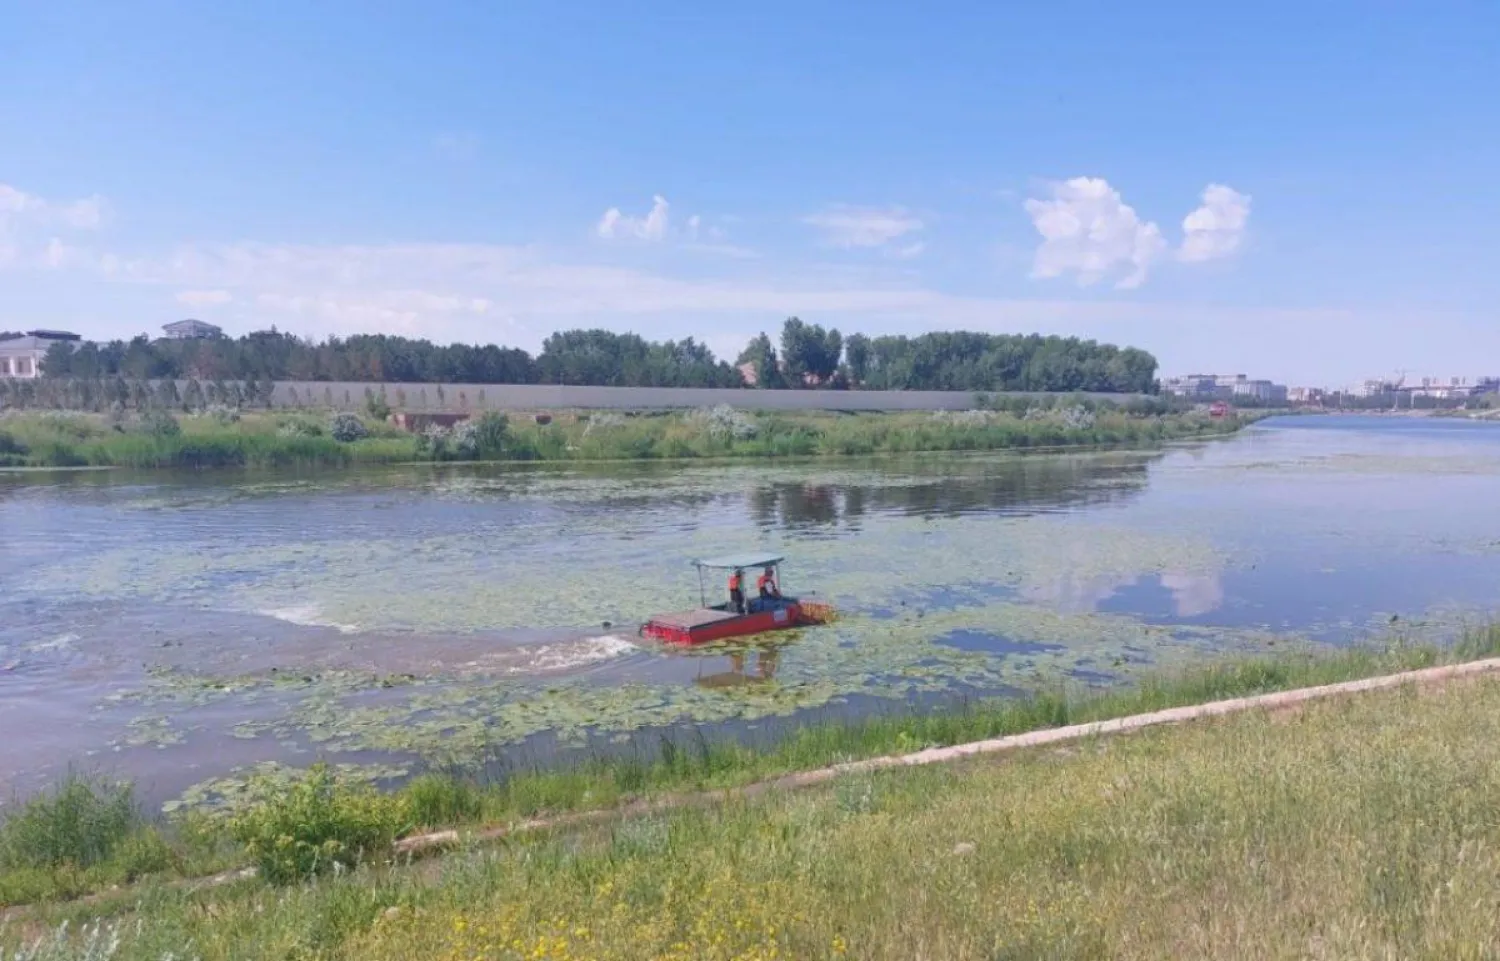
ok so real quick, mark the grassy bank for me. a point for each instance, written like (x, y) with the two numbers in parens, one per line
(89, 836)
(1354, 828)
(267, 440)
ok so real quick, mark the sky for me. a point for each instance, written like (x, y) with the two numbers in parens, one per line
(1304, 191)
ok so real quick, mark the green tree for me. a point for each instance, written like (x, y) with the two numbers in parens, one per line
(762, 355)
(809, 354)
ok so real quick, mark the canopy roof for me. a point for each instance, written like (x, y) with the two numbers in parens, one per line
(740, 560)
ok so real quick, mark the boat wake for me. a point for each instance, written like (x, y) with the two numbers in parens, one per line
(570, 655)
(308, 615)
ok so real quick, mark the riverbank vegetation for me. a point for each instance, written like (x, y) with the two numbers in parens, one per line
(808, 357)
(222, 436)
(89, 835)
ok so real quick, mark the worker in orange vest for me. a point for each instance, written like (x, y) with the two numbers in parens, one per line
(766, 583)
(737, 591)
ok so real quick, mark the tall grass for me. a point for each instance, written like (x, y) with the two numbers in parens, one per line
(295, 440)
(85, 833)
(322, 822)
(1361, 827)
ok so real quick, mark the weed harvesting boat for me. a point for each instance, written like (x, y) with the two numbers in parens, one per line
(738, 617)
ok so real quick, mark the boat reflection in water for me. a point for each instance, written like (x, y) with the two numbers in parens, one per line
(742, 670)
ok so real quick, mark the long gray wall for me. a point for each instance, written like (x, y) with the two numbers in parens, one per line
(459, 398)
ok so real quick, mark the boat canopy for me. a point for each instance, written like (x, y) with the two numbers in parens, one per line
(732, 561)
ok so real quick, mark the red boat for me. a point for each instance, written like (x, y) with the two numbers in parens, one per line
(719, 621)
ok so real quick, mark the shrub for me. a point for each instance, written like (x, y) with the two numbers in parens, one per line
(464, 439)
(81, 823)
(222, 414)
(317, 824)
(347, 428)
(294, 427)
(159, 423)
(725, 423)
(433, 443)
(9, 445)
(491, 432)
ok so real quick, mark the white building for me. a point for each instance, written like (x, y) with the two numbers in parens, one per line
(192, 330)
(1261, 390)
(22, 356)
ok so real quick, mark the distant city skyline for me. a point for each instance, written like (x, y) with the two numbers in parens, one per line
(1297, 195)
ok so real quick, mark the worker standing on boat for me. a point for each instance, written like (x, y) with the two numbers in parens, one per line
(737, 590)
(766, 584)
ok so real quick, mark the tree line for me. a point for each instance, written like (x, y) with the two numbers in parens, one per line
(806, 356)
(947, 360)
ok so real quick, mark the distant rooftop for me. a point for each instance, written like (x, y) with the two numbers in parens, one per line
(53, 334)
(191, 329)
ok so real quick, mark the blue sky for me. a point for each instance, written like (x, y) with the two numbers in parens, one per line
(1306, 191)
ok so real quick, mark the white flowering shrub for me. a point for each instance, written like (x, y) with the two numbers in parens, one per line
(724, 422)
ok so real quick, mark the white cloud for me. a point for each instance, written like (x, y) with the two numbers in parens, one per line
(848, 227)
(1216, 228)
(1089, 232)
(204, 298)
(652, 227)
(28, 224)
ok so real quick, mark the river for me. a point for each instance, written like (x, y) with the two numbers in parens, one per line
(181, 630)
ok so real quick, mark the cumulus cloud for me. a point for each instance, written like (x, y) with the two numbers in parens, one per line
(1216, 228)
(1090, 233)
(847, 226)
(652, 227)
(204, 298)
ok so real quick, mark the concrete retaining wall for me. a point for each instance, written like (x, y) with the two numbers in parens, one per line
(459, 398)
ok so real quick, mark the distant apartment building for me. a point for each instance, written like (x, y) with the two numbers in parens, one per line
(1262, 391)
(192, 330)
(1305, 395)
(21, 357)
(1211, 387)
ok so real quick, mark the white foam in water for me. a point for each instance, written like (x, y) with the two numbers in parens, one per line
(573, 654)
(56, 644)
(308, 615)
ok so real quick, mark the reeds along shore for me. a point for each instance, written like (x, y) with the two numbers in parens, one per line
(281, 440)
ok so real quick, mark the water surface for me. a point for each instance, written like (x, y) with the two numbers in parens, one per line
(176, 628)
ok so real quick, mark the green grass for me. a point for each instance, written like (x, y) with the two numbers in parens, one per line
(288, 440)
(191, 847)
(1361, 827)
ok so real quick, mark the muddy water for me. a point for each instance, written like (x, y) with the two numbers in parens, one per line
(183, 629)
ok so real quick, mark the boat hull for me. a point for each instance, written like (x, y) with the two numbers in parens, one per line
(709, 625)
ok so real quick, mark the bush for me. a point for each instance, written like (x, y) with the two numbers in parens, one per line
(491, 433)
(81, 824)
(464, 439)
(294, 427)
(347, 428)
(159, 423)
(9, 445)
(725, 423)
(433, 443)
(317, 824)
(222, 414)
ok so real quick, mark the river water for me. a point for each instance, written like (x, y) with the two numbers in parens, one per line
(181, 630)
